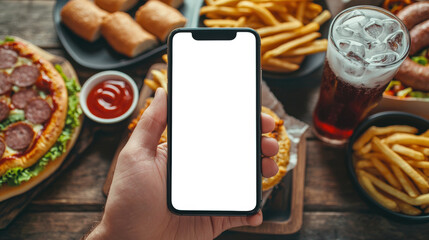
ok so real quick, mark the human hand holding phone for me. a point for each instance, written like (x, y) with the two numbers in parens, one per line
(137, 206)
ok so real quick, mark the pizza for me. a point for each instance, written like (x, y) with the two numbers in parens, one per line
(34, 109)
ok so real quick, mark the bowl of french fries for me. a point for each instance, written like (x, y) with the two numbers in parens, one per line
(388, 157)
(291, 35)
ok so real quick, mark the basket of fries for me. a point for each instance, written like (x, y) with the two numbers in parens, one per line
(388, 159)
(289, 30)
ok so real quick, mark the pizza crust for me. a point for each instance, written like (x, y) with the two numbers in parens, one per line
(282, 157)
(55, 125)
(7, 191)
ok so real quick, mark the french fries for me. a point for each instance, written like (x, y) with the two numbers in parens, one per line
(408, 152)
(309, 48)
(313, 10)
(364, 164)
(394, 169)
(220, 22)
(374, 154)
(264, 14)
(407, 185)
(295, 59)
(402, 138)
(289, 45)
(225, 2)
(408, 209)
(300, 11)
(165, 58)
(426, 171)
(279, 65)
(152, 84)
(418, 164)
(423, 150)
(420, 200)
(386, 173)
(274, 7)
(400, 162)
(225, 11)
(376, 131)
(282, 27)
(383, 200)
(288, 28)
(159, 78)
(276, 40)
(323, 17)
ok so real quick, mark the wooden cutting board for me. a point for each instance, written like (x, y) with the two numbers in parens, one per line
(10, 208)
(289, 195)
(295, 182)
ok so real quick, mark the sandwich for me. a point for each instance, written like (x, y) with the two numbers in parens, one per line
(125, 35)
(84, 18)
(159, 19)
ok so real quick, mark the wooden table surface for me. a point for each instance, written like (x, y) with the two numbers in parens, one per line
(68, 207)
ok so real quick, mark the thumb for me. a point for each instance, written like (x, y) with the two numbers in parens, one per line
(152, 123)
(222, 224)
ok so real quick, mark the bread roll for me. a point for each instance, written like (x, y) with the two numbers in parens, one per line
(173, 3)
(125, 35)
(83, 18)
(159, 18)
(116, 5)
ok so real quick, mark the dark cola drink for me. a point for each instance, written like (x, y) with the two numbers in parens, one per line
(342, 106)
(365, 49)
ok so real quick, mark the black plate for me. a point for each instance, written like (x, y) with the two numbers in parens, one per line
(99, 55)
(381, 120)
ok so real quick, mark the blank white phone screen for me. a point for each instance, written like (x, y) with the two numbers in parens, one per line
(214, 126)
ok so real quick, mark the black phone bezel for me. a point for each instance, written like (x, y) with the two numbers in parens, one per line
(216, 34)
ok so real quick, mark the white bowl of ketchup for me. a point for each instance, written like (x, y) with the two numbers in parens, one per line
(109, 97)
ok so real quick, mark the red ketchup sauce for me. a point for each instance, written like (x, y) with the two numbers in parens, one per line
(110, 98)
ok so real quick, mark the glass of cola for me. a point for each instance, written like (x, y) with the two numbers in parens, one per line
(366, 46)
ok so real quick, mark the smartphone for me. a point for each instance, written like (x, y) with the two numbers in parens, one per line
(214, 117)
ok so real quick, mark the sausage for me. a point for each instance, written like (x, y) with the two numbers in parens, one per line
(416, 18)
(38, 111)
(414, 75)
(2, 147)
(24, 75)
(21, 98)
(5, 85)
(8, 58)
(414, 14)
(19, 136)
(4, 111)
(419, 37)
(411, 73)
